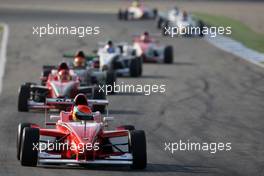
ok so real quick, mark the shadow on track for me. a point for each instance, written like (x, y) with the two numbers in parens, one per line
(166, 168)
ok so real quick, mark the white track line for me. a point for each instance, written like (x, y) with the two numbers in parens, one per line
(229, 45)
(3, 50)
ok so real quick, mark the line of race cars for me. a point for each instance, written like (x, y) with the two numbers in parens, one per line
(181, 22)
(73, 89)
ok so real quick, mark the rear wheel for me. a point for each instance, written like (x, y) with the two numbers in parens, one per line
(29, 154)
(120, 15)
(201, 26)
(138, 149)
(168, 55)
(125, 15)
(20, 129)
(24, 95)
(99, 95)
(46, 70)
(155, 12)
(110, 80)
(140, 60)
(165, 26)
(159, 23)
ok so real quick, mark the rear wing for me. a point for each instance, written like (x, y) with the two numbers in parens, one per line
(87, 57)
(69, 102)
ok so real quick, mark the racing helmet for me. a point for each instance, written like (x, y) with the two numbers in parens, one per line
(145, 36)
(80, 99)
(80, 54)
(110, 47)
(64, 75)
(79, 60)
(63, 66)
(80, 110)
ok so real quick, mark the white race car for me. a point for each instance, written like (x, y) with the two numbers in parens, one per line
(120, 59)
(179, 23)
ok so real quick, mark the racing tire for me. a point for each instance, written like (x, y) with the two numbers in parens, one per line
(140, 60)
(120, 15)
(23, 96)
(159, 23)
(201, 26)
(164, 26)
(46, 70)
(110, 80)
(155, 13)
(29, 155)
(138, 148)
(134, 67)
(168, 55)
(99, 95)
(20, 129)
(125, 15)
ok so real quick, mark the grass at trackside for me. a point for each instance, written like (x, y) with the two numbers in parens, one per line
(240, 31)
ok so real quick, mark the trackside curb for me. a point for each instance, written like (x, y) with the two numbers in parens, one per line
(234, 47)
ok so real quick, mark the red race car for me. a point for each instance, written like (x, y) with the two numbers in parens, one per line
(61, 83)
(151, 51)
(80, 137)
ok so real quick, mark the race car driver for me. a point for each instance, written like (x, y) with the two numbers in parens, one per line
(63, 72)
(79, 60)
(110, 47)
(80, 107)
(145, 37)
(64, 75)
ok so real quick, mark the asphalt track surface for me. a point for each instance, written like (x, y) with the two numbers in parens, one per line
(211, 96)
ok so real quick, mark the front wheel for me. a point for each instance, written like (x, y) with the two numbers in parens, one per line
(138, 148)
(28, 153)
(134, 67)
(20, 129)
(168, 55)
(23, 96)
